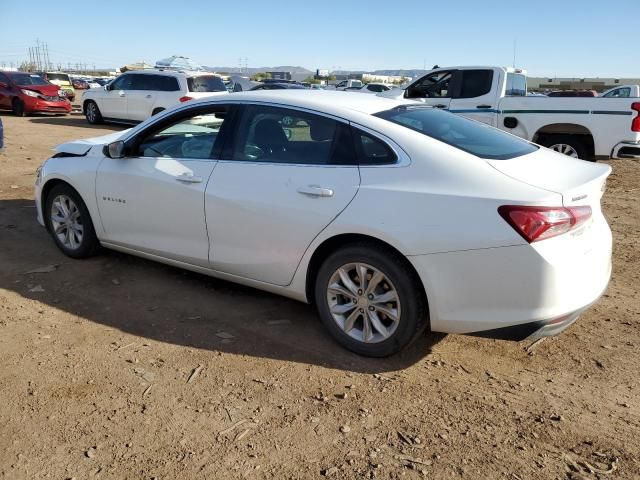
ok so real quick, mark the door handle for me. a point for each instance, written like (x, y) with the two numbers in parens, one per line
(148, 96)
(315, 191)
(186, 178)
(122, 94)
(483, 106)
(440, 105)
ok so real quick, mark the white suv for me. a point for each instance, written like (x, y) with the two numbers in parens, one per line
(135, 96)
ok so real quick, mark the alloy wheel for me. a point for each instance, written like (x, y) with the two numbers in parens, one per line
(565, 149)
(363, 302)
(66, 222)
(91, 112)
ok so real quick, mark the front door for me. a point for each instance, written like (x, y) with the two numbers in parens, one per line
(434, 89)
(153, 200)
(287, 176)
(113, 102)
(475, 95)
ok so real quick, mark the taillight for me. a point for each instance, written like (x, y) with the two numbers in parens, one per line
(635, 125)
(185, 98)
(539, 223)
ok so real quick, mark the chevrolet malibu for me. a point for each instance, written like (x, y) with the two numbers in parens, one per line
(390, 216)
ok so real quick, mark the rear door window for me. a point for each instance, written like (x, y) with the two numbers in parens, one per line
(206, 83)
(467, 135)
(281, 135)
(475, 83)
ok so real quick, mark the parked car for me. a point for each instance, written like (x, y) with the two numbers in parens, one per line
(586, 128)
(62, 80)
(79, 84)
(345, 84)
(25, 93)
(375, 88)
(137, 95)
(278, 86)
(623, 91)
(573, 93)
(390, 216)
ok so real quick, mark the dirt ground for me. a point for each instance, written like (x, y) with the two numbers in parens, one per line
(121, 368)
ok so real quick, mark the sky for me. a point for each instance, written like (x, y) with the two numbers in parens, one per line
(566, 38)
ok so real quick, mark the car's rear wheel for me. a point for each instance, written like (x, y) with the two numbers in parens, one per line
(569, 145)
(92, 113)
(370, 300)
(17, 106)
(69, 222)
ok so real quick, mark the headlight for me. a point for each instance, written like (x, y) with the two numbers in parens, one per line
(61, 93)
(30, 93)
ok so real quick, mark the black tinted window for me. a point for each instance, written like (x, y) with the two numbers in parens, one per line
(157, 83)
(371, 150)
(467, 135)
(205, 83)
(280, 135)
(475, 83)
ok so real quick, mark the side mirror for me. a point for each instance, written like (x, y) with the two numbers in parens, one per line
(114, 149)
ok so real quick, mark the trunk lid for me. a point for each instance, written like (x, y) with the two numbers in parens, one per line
(578, 181)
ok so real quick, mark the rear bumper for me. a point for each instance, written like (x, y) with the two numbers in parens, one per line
(626, 150)
(516, 292)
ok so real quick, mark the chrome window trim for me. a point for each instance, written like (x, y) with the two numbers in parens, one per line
(403, 158)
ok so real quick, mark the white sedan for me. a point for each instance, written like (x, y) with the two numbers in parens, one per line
(390, 216)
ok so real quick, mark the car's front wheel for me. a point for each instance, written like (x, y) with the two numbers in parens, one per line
(92, 112)
(69, 222)
(17, 106)
(370, 299)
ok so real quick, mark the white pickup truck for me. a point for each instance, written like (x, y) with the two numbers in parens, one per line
(588, 128)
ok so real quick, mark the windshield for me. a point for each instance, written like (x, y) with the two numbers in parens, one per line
(28, 79)
(63, 77)
(467, 135)
(206, 83)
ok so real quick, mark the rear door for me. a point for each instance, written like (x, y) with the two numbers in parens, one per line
(5, 88)
(147, 91)
(475, 95)
(286, 176)
(433, 89)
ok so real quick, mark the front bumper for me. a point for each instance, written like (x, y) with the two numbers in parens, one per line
(36, 104)
(626, 150)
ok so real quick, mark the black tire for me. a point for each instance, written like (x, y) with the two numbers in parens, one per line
(17, 106)
(92, 113)
(89, 244)
(573, 141)
(414, 312)
(156, 111)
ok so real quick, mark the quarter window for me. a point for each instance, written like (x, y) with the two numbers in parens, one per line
(191, 137)
(280, 135)
(371, 150)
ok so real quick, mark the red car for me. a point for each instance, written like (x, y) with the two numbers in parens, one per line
(25, 93)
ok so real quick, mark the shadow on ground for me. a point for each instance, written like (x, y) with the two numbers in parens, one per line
(72, 120)
(171, 305)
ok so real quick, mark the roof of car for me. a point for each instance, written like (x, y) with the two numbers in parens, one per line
(171, 73)
(331, 102)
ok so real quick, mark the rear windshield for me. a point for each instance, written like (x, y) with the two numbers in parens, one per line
(58, 76)
(467, 135)
(28, 79)
(206, 83)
